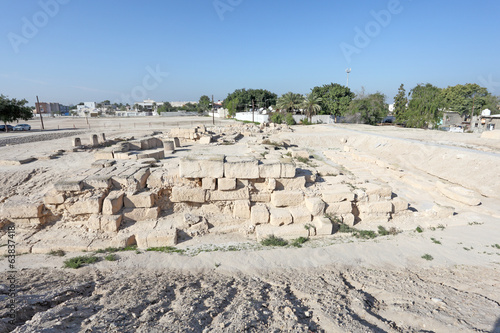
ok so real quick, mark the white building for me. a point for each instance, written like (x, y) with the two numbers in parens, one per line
(147, 105)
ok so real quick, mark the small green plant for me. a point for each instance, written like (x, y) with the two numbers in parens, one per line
(344, 228)
(383, 231)
(308, 226)
(166, 249)
(468, 248)
(427, 257)
(299, 241)
(475, 223)
(496, 246)
(419, 229)
(117, 249)
(264, 154)
(365, 234)
(217, 264)
(305, 121)
(276, 118)
(78, 262)
(440, 226)
(303, 159)
(289, 119)
(58, 253)
(274, 241)
(435, 241)
(111, 257)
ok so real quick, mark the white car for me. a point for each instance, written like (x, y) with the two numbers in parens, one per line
(22, 127)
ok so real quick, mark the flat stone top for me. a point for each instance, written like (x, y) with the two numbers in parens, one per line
(202, 157)
(239, 159)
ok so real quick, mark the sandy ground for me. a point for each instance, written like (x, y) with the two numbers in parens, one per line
(335, 284)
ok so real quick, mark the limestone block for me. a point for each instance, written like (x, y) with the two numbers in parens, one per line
(205, 140)
(315, 205)
(70, 185)
(443, 211)
(300, 154)
(177, 142)
(141, 200)
(159, 238)
(123, 156)
(260, 197)
(84, 206)
(375, 217)
(241, 209)
(141, 214)
(348, 219)
(377, 192)
(460, 194)
(288, 232)
(111, 223)
(280, 216)
(323, 226)
(226, 184)
(271, 184)
(291, 184)
(287, 198)
(185, 194)
(102, 137)
(241, 167)
(208, 183)
(339, 208)
(241, 194)
(77, 142)
(168, 146)
(104, 155)
(135, 145)
(141, 177)
(54, 198)
(270, 168)
(94, 222)
(376, 207)
(259, 214)
(287, 168)
(399, 205)
(21, 208)
(103, 164)
(145, 144)
(113, 203)
(198, 229)
(338, 194)
(300, 215)
(98, 182)
(202, 166)
(123, 240)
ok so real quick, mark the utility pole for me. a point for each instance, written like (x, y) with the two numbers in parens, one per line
(213, 111)
(348, 70)
(253, 110)
(38, 111)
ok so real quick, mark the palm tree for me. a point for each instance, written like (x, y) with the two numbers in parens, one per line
(290, 101)
(311, 105)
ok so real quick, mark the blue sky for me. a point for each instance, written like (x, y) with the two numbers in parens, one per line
(70, 51)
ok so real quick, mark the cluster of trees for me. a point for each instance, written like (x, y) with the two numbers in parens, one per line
(14, 109)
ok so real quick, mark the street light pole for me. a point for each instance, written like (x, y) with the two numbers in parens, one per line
(348, 70)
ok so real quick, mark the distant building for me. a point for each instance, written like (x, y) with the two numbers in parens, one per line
(51, 108)
(148, 105)
(451, 118)
(179, 104)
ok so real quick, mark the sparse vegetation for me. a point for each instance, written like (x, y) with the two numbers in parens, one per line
(435, 241)
(271, 143)
(166, 249)
(440, 226)
(57, 253)
(427, 257)
(78, 262)
(468, 248)
(110, 257)
(303, 159)
(274, 241)
(475, 223)
(496, 246)
(117, 249)
(299, 241)
(419, 229)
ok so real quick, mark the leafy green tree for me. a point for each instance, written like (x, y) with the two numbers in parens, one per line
(165, 107)
(493, 103)
(290, 101)
(261, 97)
(14, 109)
(468, 99)
(312, 105)
(232, 107)
(335, 99)
(400, 102)
(204, 103)
(424, 107)
(371, 108)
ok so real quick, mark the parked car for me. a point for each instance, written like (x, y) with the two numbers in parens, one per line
(22, 127)
(9, 128)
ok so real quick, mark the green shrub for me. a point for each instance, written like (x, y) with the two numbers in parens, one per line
(276, 118)
(274, 241)
(110, 257)
(496, 246)
(117, 249)
(299, 241)
(419, 229)
(289, 119)
(165, 249)
(305, 121)
(435, 241)
(58, 253)
(78, 262)
(427, 257)
(302, 159)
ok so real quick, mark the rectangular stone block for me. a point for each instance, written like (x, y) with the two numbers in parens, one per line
(323, 226)
(378, 218)
(202, 166)
(242, 167)
(291, 184)
(300, 215)
(377, 192)
(241, 209)
(21, 209)
(280, 216)
(260, 197)
(205, 140)
(122, 156)
(70, 185)
(84, 206)
(270, 169)
(259, 214)
(399, 205)
(348, 219)
(315, 205)
(339, 208)
(287, 168)
(208, 183)
(98, 182)
(113, 203)
(141, 200)
(337, 195)
(111, 223)
(54, 198)
(135, 145)
(376, 207)
(226, 184)
(287, 198)
(241, 194)
(288, 232)
(141, 214)
(160, 238)
(104, 155)
(185, 194)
